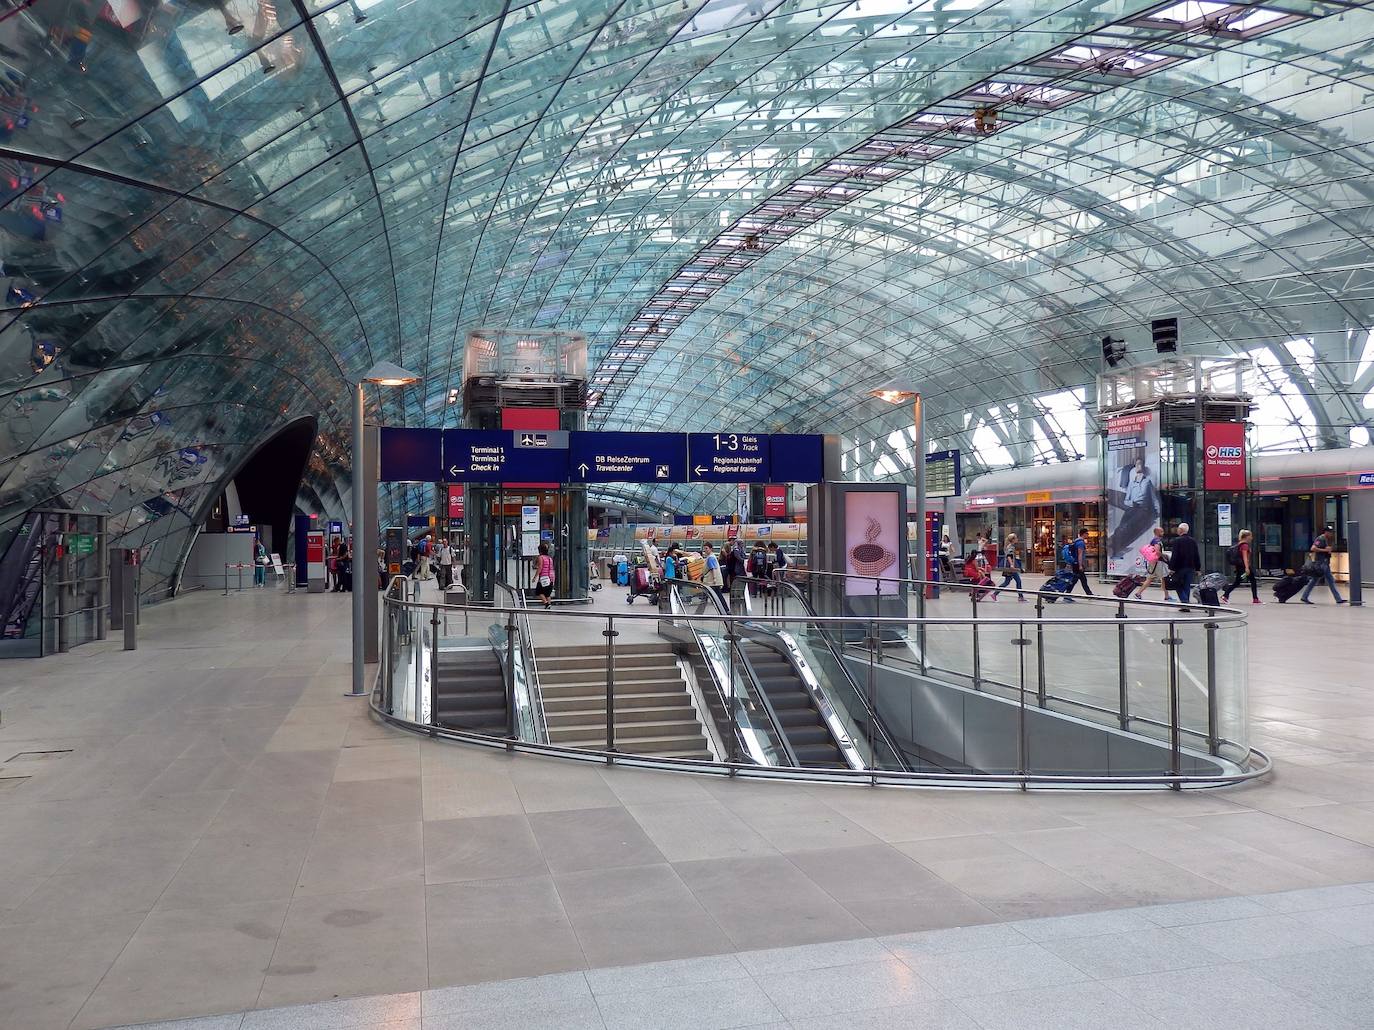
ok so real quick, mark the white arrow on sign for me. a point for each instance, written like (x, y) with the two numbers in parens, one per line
(454, 470)
(582, 468)
(699, 470)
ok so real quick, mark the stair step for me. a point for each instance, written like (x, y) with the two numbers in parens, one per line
(645, 728)
(592, 716)
(554, 705)
(555, 688)
(644, 745)
(630, 661)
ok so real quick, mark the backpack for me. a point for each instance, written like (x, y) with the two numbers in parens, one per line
(1233, 557)
(782, 559)
(1068, 555)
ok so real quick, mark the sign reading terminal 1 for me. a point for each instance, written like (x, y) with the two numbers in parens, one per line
(512, 456)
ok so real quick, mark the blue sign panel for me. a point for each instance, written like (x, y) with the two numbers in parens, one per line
(335, 527)
(411, 456)
(492, 456)
(728, 458)
(1366, 479)
(627, 458)
(796, 458)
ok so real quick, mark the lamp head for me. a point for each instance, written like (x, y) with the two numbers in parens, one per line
(387, 373)
(895, 394)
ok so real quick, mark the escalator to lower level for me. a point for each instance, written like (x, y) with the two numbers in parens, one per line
(470, 693)
(794, 707)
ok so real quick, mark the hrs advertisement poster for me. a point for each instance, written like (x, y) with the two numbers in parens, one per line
(1133, 505)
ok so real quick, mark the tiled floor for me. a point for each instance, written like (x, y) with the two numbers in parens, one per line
(1295, 959)
(222, 830)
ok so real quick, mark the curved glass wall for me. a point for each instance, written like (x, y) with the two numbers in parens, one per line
(214, 214)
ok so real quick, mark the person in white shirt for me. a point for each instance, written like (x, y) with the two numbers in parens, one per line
(445, 555)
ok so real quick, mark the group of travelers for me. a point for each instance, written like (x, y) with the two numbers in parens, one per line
(1174, 564)
(339, 567)
(431, 560)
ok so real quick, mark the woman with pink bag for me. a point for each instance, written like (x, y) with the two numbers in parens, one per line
(1155, 567)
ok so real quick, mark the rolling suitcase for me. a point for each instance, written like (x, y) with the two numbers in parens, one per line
(1127, 585)
(1209, 597)
(1288, 586)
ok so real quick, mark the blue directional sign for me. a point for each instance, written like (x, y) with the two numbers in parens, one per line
(796, 458)
(627, 458)
(728, 458)
(495, 456)
(411, 456)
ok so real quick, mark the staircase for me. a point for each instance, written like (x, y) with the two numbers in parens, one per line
(469, 692)
(653, 711)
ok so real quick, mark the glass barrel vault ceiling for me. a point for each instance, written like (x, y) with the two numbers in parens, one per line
(217, 213)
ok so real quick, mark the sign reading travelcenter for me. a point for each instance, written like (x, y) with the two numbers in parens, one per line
(519, 456)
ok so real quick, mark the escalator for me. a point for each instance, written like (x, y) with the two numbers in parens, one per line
(470, 690)
(793, 706)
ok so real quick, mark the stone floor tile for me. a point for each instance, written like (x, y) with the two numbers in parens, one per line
(48, 972)
(1190, 912)
(336, 1015)
(481, 848)
(568, 1015)
(1076, 1006)
(690, 830)
(236, 869)
(622, 979)
(1267, 936)
(813, 956)
(863, 873)
(1222, 998)
(926, 1015)
(536, 990)
(374, 856)
(1137, 951)
(592, 838)
(1090, 924)
(188, 962)
(698, 1006)
(837, 990)
(990, 970)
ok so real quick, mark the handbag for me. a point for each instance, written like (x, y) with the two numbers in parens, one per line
(1313, 568)
(545, 581)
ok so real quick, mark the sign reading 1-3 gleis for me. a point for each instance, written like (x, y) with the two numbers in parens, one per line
(727, 458)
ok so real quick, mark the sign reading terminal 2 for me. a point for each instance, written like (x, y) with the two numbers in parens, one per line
(506, 456)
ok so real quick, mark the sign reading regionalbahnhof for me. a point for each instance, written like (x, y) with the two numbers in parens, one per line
(519, 456)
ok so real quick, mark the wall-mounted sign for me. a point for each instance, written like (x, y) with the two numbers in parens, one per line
(455, 503)
(336, 527)
(1040, 497)
(774, 502)
(1366, 479)
(1223, 456)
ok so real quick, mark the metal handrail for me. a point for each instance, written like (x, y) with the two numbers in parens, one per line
(529, 659)
(875, 721)
(1252, 762)
(733, 652)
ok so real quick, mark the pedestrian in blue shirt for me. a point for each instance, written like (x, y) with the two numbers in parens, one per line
(1076, 554)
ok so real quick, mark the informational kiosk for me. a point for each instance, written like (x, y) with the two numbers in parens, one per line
(857, 533)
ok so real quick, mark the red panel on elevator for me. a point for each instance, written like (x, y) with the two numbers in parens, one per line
(530, 418)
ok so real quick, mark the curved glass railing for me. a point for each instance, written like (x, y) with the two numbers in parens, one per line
(971, 690)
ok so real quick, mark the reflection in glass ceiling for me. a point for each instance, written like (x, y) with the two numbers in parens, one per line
(218, 212)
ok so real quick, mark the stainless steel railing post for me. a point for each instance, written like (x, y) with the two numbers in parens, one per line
(1040, 691)
(1175, 742)
(731, 645)
(1123, 715)
(610, 634)
(1213, 737)
(433, 665)
(977, 657)
(512, 729)
(873, 645)
(1022, 744)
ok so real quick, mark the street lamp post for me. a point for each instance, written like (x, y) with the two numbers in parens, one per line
(900, 394)
(384, 373)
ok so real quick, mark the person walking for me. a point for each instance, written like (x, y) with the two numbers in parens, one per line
(543, 576)
(732, 565)
(711, 576)
(1155, 566)
(426, 549)
(259, 562)
(1076, 554)
(1241, 561)
(1012, 565)
(445, 556)
(1320, 557)
(1185, 562)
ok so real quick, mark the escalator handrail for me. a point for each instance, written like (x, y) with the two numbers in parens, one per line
(754, 684)
(527, 658)
(875, 720)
